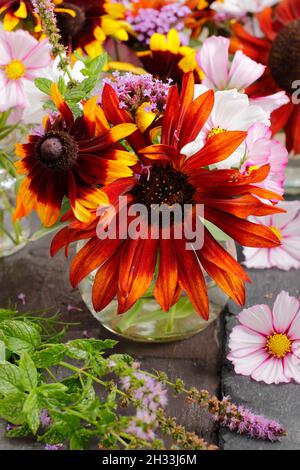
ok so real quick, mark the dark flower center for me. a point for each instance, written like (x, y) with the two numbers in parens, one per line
(163, 185)
(57, 151)
(285, 56)
(70, 23)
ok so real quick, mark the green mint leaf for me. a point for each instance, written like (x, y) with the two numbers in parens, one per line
(2, 352)
(44, 85)
(28, 372)
(55, 394)
(18, 432)
(61, 85)
(80, 439)
(6, 314)
(11, 408)
(9, 379)
(20, 336)
(32, 410)
(49, 356)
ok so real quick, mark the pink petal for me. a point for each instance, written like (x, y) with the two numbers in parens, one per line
(257, 258)
(270, 371)
(243, 341)
(284, 311)
(292, 212)
(247, 365)
(244, 71)
(281, 259)
(258, 318)
(294, 330)
(38, 57)
(291, 369)
(213, 59)
(20, 43)
(271, 102)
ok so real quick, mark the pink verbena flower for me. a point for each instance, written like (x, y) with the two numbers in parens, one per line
(22, 58)
(287, 227)
(149, 21)
(261, 149)
(266, 344)
(223, 74)
(134, 90)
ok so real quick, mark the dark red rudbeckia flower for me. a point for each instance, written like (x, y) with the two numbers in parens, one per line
(71, 158)
(86, 23)
(127, 267)
(279, 50)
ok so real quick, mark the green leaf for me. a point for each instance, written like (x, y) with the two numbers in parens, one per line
(217, 233)
(61, 85)
(55, 394)
(28, 372)
(6, 314)
(32, 410)
(9, 379)
(80, 349)
(49, 356)
(2, 352)
(80, 439)
(20, 336)
(18, 432)
(44, 85)
(11, 408)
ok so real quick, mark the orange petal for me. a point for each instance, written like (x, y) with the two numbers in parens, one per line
(61, 105)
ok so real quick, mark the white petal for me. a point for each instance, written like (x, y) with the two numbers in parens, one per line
(270, 371)
(246, 365)
(284, 311)
(258, 318)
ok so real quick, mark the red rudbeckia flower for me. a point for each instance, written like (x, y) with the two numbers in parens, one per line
(279, 50)
(126, 267)
(19, 14)
(70, 158)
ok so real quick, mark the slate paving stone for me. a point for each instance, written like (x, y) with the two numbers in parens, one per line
(279, 402)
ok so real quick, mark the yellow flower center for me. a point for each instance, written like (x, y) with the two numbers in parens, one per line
(215, 131)
(277, 232)
(252, 168)
(15, 70)
(278, 345)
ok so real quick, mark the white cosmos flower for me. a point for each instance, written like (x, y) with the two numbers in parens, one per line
(232, 112)
(241, 7)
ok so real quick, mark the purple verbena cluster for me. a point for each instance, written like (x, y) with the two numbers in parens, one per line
(134, 90)
(149, 21)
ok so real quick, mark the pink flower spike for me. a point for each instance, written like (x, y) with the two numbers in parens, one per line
(287, 227)
(266, 343)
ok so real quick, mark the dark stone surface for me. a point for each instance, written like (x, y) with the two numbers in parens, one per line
(45, 283)
(279, 402)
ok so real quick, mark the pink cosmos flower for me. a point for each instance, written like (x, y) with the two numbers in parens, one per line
(261, 149)
(266, 344)
(22, 58)
(287, 227)
(221, 73)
